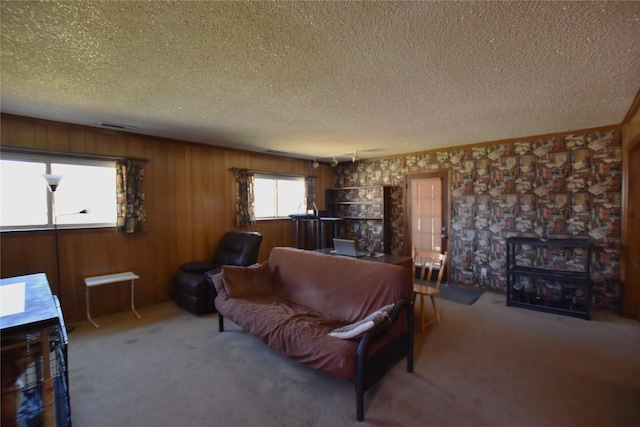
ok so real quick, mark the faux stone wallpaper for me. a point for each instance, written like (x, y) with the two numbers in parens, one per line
(561, 187)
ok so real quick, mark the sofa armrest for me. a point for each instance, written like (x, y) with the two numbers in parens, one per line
(370, 371)
(220, 291)
(218, 284)
(368, 336)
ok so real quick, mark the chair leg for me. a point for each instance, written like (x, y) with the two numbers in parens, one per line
(435, 308)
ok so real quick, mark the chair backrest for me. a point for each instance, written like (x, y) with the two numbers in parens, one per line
(238, 248)
(429, 261)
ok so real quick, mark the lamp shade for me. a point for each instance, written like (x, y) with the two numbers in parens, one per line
(52, 181)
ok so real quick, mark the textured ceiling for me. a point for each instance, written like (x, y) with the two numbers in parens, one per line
(317, 79)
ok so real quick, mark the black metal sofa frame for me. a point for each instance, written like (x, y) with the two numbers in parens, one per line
(371, 369)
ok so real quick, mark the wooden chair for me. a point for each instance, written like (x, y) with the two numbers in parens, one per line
(428, 260)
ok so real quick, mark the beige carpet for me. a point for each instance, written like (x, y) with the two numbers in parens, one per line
(485, 365)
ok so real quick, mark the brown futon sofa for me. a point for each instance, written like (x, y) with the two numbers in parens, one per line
(348, 317)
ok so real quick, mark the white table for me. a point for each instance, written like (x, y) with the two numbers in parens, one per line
(105, 280)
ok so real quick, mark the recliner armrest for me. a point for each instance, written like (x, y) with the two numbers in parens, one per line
(200, 267)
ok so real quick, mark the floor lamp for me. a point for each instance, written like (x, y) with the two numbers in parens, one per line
(52, 182)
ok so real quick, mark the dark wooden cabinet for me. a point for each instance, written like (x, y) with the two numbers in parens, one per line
(549, 275)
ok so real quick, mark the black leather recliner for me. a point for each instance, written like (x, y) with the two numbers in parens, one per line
(191, 288)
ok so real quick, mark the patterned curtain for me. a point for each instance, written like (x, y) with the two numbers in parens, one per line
(245, 202)
(132, 211)
(310, 192)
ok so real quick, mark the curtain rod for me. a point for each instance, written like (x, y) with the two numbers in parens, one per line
(298, 175)
(67, 153)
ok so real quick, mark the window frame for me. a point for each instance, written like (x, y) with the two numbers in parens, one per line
(52, 158)
(277, 177)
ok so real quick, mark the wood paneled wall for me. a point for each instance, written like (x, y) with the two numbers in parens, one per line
(190, 193)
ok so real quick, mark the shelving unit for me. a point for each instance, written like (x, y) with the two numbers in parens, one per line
(366, 212)
(549, 275)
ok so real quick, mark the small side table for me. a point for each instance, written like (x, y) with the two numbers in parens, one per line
(105, 280)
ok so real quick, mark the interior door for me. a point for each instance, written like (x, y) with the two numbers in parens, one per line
(631, 253)
(427, 211)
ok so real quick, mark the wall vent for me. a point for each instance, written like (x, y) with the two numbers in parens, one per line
(118, 126)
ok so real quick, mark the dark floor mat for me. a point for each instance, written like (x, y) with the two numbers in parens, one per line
(459, 294)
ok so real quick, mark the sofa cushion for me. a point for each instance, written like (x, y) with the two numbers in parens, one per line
(293, 330)
(357, 329)
(254, 280)
(338, 287)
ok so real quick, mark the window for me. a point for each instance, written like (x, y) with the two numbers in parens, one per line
(86, 185)
(278, 196)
